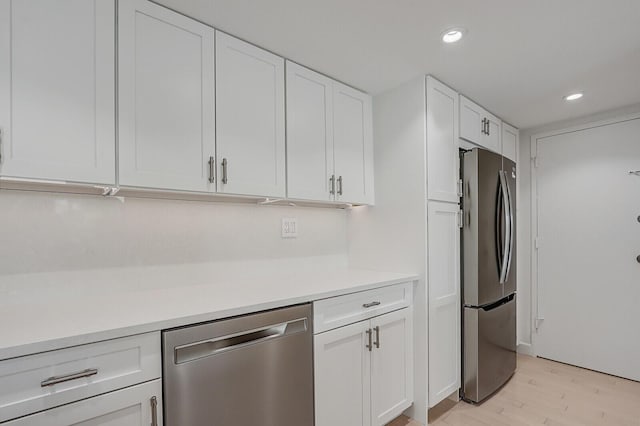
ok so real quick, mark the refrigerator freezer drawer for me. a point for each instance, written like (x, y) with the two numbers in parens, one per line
(489, 348)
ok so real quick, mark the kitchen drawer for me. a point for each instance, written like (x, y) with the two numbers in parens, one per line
(134, 406)
(28, 384)
(342, 310)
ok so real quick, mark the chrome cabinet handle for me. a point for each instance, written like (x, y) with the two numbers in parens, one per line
(154, 411)
(212, 165)
(484, 126)
(332, 181)
(377, 342)
(370, 304)
(488, 127)
(369, 345)
(340, 185)
(73, 376)
(225, 166)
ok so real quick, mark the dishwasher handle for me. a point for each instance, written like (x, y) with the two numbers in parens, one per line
(210, 347)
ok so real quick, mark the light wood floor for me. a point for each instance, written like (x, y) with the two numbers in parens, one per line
(549, 393)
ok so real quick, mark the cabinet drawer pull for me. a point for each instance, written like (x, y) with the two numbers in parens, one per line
(377, 342)
(369, 345)
(332, 182)
(154, 411)
(340, 185)
(61, 379)
(370, 304)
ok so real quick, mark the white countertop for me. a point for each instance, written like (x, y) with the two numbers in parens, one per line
(47, 311)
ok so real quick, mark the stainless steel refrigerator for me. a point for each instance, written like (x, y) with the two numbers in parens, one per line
(488, 273)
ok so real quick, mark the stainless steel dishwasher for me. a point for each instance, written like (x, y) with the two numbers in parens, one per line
(253, 370)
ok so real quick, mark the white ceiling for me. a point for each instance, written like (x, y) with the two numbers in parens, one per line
(519, 58)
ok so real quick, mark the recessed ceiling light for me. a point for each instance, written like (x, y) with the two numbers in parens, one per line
(573, 96)
(452, 35)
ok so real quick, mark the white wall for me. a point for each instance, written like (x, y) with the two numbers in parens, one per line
(42, 232)
(525, 297)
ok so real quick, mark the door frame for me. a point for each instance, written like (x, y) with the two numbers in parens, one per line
(537, 313)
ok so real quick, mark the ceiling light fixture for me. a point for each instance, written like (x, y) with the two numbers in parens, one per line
(573, 97)
(453, 35)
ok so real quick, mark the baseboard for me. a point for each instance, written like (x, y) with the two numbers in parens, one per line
(525, 349)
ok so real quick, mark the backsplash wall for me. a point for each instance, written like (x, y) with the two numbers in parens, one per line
(45, 232)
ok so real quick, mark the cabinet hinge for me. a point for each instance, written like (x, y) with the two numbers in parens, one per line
(538, 242)
(460, 219)
(460, 188)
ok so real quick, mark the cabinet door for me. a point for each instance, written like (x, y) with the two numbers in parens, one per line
(443, 280)
(471, 124)
(510, 136)
(166, 99)
(57, 90)
(391, 365)
(343, 376)
(492, 138)
(131, 406)
(443, 162)
(353, 145)
(309, 134)
(250, 119)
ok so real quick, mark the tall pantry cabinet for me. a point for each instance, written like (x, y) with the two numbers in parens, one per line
(414, 224)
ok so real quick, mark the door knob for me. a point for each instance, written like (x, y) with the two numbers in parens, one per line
(638, 258)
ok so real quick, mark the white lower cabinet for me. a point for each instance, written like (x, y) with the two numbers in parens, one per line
(139, 405)
(364, 370)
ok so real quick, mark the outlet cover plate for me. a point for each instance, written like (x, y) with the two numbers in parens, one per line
(289, 227)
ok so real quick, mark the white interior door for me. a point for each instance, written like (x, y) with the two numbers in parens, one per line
(589, 236)
(250, 128)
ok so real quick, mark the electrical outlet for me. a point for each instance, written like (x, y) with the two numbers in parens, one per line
(289, 227)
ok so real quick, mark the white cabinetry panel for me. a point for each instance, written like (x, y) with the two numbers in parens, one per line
(353, 144)
(479, 126)
(57, 90)
(444, 299)
(250, 129)
(342, 376)
(391, 365)
(166, 98)
(443, 163)
(510, 138)
(309, 134)
(127, 407)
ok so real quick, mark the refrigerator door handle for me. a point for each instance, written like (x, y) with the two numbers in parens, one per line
(507, 225)
(511, 228)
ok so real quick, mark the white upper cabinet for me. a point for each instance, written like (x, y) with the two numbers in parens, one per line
(479, 126)
(57, 90)
(309, 134)
(166, 99)
(443, 163)
(250, 127)
(510, 138)
(353, 145)
(329, 139)
(444, 299)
